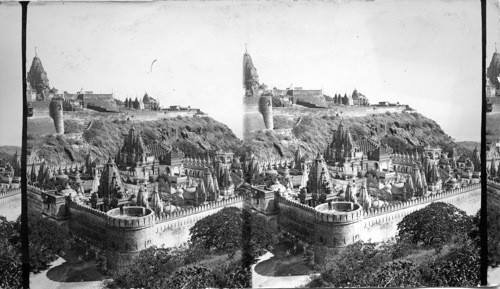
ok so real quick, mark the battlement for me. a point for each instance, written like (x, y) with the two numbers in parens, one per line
(339, 212)
(198, 209)
(79, 207)
(291, 203)
(422, 200)
(36, 190)
(493, 184)
(130, 217)
(9, 193)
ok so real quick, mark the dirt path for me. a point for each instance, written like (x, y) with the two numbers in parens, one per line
(260, 281)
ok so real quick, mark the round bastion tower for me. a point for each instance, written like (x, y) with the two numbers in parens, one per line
(266, 109)
(128, 231)
(56, 113)
(336, 225)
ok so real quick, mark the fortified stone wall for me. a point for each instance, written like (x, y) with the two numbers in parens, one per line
(493, 194)
(128, 231)
(381, 224)
(10, 204)
(9, 193)
(35, 200)
(296, 218)
(173, 229)
(335, 229)
(40, 108)
(86, 222)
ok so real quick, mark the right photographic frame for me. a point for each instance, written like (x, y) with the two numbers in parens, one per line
(493, 138)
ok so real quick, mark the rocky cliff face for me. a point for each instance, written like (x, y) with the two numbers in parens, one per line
(494, 70)
(402, 131)
(37, 77)
(193, 135)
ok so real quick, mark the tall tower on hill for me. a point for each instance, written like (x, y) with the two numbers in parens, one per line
(250, 77)
(37, 77)
(493, 71)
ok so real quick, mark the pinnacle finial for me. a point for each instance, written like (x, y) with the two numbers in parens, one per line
(36, 55)
(246, 48)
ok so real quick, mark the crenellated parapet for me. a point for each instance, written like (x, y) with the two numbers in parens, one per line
(73, 206)
(282, 200)
(419, 201)
(338, 212)
(10, 193)
(130, 217)
(199, 209)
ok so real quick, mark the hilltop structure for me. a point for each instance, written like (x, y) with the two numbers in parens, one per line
(250, 77)
(493, 71)
(38, 86)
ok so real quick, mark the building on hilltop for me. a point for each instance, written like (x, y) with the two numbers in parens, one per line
(250, 77)
(359, 99)
(150, 103)
(103, 102)
(38, 86)
(493, 71)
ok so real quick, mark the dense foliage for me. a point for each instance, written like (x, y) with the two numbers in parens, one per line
(493, 228)
(450, 257)
(434, 226)
(222, 232)
(214, 257)
(10, 255)
(47, 241)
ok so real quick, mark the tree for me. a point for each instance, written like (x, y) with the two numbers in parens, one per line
(47, 240)
(459, 268)
(219, 231)
(493, 227)
(263, 233)
(152, 268)
(232, 275)
(194, 277)
(303, 195)
(355, 265)
(10, 255)
(434, 225)
(222, 232)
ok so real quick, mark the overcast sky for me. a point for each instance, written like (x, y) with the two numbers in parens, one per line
(10, 75)
(493, 28)
(423, 53)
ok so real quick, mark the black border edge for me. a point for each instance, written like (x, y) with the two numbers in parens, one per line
(24, 155)
(483, 224)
